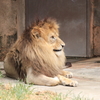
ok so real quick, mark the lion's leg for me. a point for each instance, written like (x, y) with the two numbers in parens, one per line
(67, 82)
(9, 67)
(67, 74)
(41, 79)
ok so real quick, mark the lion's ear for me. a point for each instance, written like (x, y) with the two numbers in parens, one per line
(36, 34)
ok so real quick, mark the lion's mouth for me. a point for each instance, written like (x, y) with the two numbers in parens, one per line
(57, 50)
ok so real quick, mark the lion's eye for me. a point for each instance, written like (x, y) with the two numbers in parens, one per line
(53, 37)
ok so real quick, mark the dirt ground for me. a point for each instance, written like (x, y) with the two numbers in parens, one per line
(86, 72)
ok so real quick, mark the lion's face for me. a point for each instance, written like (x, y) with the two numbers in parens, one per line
(50, 35)
(54, 41)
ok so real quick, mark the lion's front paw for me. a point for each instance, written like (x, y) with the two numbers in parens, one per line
(67, 82)
(69, 75)
(70, 83)
(73, 83)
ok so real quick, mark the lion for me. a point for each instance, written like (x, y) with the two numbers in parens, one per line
(37, 57)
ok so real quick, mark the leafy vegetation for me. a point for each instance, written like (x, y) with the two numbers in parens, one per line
(1, 75)
(24, 92)
(18, 92)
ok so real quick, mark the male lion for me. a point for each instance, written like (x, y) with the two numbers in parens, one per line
(37, 56)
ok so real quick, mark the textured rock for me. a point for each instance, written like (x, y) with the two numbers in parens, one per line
(97, 40)
(8, 23)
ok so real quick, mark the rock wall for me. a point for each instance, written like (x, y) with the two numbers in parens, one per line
(97, 41)
(96, 29)
(8, 22)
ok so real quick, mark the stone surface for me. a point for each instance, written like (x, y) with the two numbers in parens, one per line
(96, 12)
(96, 27)
(97, 40)
(86, 72)
(8, 23)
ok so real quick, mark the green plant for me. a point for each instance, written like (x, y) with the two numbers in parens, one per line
(1, 75)
(23, 92)
(59, 97)
(18, 92)
(80, 97)
(70, 96)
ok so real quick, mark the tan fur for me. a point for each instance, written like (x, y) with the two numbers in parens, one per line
(37, 54)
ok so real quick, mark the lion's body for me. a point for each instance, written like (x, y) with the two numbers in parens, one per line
(38, 53)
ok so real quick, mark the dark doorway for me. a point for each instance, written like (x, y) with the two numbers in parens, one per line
(72, 16)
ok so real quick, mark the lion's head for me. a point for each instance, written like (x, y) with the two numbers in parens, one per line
(41, 48)
(47, 31)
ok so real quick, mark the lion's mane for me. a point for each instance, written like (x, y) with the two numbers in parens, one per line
(29, 51)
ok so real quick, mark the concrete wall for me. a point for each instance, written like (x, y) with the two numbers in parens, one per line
(8, 30)
(20, 16)
(12, 23)
(96, 28)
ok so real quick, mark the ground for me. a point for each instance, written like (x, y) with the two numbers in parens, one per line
(86, 72)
